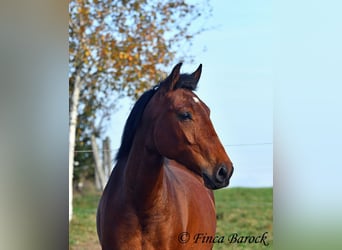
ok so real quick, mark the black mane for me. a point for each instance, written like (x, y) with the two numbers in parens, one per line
(186, 81)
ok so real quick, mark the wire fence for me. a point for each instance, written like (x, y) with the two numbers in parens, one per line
(226, 145)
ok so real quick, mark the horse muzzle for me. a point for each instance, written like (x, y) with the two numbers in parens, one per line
(220, 177)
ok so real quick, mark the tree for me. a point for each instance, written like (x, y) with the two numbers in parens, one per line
(119, 48)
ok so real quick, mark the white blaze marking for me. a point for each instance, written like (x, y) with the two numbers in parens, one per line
(196, 99)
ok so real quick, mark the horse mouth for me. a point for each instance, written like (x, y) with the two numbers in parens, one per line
(209, 183)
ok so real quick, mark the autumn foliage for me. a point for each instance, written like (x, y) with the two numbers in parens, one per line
(122, 47)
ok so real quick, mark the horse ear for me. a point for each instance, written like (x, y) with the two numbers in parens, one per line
(173, 78)
(197, 74)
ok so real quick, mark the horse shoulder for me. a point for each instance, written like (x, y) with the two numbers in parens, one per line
(194, 199)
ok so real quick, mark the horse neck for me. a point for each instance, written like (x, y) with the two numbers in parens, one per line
(144, 176)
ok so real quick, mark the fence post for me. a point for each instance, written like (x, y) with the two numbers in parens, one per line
(98, 164)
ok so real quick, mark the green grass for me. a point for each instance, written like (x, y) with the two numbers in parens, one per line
(245, 211)
(82, 229)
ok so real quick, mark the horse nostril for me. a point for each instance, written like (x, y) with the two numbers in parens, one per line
(222, 173)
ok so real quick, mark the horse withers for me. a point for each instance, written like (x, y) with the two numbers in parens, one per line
(159, 195)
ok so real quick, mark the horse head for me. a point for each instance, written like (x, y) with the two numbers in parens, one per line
(181, 129)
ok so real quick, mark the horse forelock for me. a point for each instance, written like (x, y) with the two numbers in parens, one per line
(186, 81)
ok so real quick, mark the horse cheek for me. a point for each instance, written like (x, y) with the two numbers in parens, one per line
(165, 143)
(189, 135)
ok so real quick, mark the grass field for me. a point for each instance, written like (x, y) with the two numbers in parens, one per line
(244, 211)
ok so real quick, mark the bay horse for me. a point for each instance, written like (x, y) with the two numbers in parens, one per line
(159, 195)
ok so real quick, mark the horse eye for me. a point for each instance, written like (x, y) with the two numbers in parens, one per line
(184, 116)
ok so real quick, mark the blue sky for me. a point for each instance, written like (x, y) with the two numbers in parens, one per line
(236, 84)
